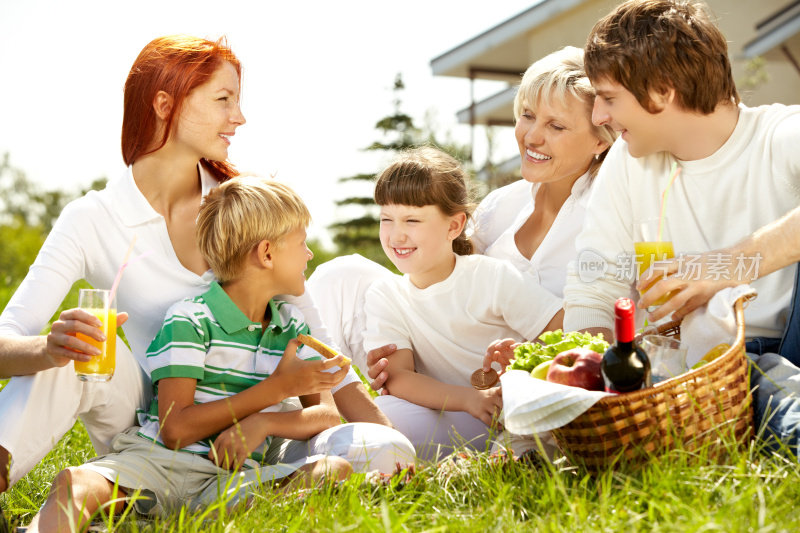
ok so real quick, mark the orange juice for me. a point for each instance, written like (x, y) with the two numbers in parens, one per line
(649, 252)
(100, 367)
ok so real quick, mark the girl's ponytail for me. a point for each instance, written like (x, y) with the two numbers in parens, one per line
(462, 245)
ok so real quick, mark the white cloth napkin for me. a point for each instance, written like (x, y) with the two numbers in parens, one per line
(533, 405)
(712, 324)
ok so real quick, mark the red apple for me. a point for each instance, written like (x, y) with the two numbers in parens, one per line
(579, 367)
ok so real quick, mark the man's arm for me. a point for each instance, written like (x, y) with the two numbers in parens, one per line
(774, 246)
(602, 272)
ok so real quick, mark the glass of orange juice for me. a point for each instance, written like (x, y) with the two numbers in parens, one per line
(651, 244)
(99, 367)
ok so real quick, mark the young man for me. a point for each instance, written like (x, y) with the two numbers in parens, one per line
(663, 79)
(225, 369)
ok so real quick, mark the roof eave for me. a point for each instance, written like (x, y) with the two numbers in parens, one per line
(772, 38)
(517, 25)
(486, 106)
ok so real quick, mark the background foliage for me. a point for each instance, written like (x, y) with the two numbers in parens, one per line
(359, 233)
(27, 214)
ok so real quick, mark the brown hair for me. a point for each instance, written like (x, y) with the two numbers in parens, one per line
(659, 45)
(239, 214)
(427, 176)
(175, 64)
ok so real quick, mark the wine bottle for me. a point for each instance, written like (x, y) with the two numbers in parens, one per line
(625, 365)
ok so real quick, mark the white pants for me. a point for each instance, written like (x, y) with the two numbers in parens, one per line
(365, 446)
(338, 288)
(37, 410)
(433, 433)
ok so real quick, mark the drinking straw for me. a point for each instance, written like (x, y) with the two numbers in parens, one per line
(125, 263)
(674, 171)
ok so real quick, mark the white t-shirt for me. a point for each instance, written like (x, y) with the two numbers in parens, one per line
(89, 241)
(502, 213)
(752, 180)
(449, 325)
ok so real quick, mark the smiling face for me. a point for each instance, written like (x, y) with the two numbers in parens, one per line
(619, 108)
(556, 140)
(290, 257)
(419, 241)
(210, 115)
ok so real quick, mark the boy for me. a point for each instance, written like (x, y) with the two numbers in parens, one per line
(221, 366)
(663, 79)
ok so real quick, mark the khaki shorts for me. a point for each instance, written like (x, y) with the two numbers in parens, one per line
(159, 480)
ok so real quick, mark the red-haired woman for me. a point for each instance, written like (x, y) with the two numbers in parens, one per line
(181, 112)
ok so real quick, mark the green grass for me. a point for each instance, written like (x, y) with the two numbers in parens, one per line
(748, 490)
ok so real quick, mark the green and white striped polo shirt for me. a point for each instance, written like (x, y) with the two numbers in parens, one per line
(209, 339)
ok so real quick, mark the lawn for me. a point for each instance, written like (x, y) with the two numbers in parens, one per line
(748, 490)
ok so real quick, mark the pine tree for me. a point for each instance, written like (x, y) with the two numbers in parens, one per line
(398, 132)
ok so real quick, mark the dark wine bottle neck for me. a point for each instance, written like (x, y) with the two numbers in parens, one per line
(625, 346)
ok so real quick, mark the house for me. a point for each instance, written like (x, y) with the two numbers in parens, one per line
(764, 45)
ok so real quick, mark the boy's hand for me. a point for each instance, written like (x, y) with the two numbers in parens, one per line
(308, 377)
(487, 405)
(235, 444)
(500, 351)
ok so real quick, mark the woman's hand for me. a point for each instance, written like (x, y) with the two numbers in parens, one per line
(486, 405)
(235, 444)
(64, 346)
(308, 377)
(376, 367)
(500, 351)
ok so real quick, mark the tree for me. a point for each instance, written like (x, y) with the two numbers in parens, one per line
(359, 234)
(28, 215)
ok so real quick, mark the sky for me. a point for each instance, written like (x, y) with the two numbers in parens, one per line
(317, 76)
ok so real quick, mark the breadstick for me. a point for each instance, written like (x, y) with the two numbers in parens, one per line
(320, 347)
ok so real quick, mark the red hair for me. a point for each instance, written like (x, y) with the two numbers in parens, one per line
(174, 64)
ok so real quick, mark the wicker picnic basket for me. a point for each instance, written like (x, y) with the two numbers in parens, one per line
(694, 409)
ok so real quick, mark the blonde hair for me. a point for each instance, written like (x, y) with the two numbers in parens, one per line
(427, 176)
(554, 77)
(239, 214)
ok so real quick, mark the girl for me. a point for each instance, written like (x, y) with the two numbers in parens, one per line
(448, 307)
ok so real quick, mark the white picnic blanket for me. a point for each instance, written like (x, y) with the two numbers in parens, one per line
(712, 324)
(533, 405)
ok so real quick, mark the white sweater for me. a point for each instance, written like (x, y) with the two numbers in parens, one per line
(752, 180)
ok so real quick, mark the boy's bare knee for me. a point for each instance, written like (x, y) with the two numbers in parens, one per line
(4, 469)
(336, 468)
(63, 479)
(84, 486)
